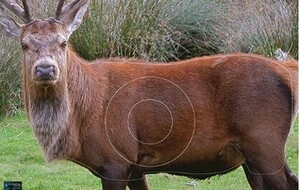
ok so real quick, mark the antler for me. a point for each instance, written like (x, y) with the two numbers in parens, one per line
(59, 8)
(64, 11)
(26, 11)
(23, 14)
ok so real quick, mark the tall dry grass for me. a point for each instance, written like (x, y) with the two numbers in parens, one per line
(260, 27)
(10, 77)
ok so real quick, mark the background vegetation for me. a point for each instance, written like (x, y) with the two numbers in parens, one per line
(163, 31)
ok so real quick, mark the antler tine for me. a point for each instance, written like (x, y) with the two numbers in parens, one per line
(17, 10)
(62, 10)
(26, 11)
(59, 8)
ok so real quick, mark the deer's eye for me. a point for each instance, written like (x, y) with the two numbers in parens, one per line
(64, 44)
(24, 46)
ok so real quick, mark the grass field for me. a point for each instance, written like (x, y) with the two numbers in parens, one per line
(22, 160)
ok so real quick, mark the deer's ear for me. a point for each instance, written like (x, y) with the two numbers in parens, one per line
(72, 14)
(9, 27)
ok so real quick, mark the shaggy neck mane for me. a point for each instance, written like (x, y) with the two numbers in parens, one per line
(51, 108)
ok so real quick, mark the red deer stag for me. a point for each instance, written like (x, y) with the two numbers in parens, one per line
(122, 119)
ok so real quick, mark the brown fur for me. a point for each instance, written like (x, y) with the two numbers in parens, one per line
(228, 110)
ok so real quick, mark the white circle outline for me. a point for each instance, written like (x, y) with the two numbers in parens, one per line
(163, 139)
(194, 126)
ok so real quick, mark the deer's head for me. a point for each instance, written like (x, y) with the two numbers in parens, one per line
(44, 41)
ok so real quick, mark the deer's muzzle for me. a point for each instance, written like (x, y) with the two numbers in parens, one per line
(45, 71)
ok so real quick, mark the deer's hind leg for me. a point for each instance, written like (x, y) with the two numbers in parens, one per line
(266, 167)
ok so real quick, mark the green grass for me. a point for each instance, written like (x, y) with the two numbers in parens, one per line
(21, 159)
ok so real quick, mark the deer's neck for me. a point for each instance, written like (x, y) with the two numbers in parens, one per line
(51, 111)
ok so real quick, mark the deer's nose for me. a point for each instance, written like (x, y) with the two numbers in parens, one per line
(45, 72)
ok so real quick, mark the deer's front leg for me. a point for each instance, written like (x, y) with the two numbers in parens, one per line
(115, 177)
(138, 184)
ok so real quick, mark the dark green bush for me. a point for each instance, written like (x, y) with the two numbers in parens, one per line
(152, 30)
(194, 25)
(129, 28)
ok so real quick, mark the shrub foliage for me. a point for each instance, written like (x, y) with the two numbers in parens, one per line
(163, 31)
(10, 77)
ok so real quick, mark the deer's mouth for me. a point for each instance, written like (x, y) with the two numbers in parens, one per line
(45, 82)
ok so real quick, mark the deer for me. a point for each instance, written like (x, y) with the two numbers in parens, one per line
(124, 119)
